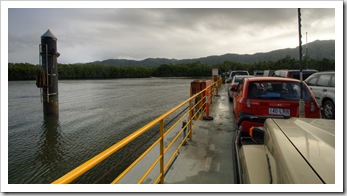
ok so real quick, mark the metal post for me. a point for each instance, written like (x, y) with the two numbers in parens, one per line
(202, 104)
(184, 123)
(301, 102)
(306, 57)
(208, 100)
(48, 58)
(190, 114)
(162, 151)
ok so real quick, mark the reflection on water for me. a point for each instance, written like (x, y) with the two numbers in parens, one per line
(50, 151)
(93, 115)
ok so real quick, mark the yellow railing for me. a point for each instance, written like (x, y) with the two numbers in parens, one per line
(197, 107)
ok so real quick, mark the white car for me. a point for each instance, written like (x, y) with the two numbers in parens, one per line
(235, 73)
(234, 82)
(286, 151)
(322, 85)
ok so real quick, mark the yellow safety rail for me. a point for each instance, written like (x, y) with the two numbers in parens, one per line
(195, 112)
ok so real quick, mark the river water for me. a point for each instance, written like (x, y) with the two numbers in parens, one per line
(93, 115)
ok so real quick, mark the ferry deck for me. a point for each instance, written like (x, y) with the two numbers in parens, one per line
(207, 159)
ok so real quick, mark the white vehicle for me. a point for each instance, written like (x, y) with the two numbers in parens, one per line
(322, 85)
(234, 83)
(235, 73)
(286, 151)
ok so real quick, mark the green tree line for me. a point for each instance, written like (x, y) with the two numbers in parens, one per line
(286, 63)
(25, 71)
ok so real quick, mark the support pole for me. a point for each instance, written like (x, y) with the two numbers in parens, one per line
(207, 102)
(184, 127)
(162, 151)
(301, 102)
(49, 67)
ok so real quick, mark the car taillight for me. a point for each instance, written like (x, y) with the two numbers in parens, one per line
(248, 102)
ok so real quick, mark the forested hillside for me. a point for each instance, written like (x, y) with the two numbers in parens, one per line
(25, 71)
(321, 56)
(316, 50)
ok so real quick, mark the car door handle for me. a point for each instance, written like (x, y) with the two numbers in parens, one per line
(325, 90)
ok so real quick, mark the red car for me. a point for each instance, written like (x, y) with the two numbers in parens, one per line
(272, 96)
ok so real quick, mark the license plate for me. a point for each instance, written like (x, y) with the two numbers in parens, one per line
(279, 111)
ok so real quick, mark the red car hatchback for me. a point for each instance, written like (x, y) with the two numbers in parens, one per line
(272, 96)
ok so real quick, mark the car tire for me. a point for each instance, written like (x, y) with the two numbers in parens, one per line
(235, 160)
(328, 110)
(230, 99)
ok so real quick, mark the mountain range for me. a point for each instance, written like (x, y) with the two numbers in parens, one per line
(318, 49)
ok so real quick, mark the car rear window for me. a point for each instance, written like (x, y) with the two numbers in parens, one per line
(238, 73)
(238, 79)
(277, 90)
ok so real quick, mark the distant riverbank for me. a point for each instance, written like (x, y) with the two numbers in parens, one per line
(25, 71)
(29, 72)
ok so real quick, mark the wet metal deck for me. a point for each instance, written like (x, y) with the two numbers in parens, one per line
(207, 159)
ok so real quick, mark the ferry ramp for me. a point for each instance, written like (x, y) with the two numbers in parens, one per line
(208, 157)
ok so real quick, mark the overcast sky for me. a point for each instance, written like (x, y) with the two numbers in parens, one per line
(86, 35)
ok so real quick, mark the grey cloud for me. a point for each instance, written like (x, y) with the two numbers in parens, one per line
(140, 33)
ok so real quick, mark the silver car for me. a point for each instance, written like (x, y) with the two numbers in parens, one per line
(322, 85)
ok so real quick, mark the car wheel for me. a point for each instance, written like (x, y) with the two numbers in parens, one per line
(230, 97)
(235, 159)
(329, 110)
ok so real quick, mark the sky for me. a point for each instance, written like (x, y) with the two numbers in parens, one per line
(178, 31)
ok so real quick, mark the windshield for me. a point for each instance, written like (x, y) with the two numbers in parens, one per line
(237, 79)
(277, 90)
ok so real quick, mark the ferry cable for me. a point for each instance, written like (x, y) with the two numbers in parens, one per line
(176, 116)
